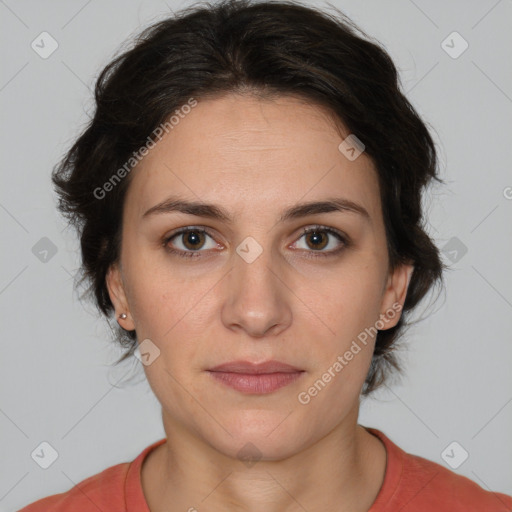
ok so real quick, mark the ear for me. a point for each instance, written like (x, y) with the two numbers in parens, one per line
(395, 293)
(116, 291)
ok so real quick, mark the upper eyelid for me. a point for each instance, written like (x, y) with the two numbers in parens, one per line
(186, 229)
(333, 231)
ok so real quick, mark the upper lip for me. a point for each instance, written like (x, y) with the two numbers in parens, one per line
(255, 368)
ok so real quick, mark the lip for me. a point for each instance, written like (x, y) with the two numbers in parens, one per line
(251, 378)
(255, 368)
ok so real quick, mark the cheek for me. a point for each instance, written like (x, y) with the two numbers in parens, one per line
(171, 309)
(349, 302)
(351, 306)
(168, 311)
(164, 310)
(342, 360)
(157, 295)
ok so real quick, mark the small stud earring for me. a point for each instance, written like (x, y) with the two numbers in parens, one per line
(123, 316)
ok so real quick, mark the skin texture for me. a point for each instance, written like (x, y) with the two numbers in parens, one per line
(255, 157)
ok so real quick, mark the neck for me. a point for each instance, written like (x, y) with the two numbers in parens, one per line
(344, 471)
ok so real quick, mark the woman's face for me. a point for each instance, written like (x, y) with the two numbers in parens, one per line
(254, 287)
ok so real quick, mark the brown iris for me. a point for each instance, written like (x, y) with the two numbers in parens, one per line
(316, 237)
(193, 238)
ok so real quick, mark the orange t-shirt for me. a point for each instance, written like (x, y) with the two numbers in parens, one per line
(411, 484)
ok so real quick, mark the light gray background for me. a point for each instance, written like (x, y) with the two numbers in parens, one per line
(56, 384)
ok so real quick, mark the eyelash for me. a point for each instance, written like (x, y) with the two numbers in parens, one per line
(311, 254)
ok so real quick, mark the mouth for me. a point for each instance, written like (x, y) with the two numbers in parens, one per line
(251, 378)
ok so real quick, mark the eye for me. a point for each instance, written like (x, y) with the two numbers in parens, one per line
(318, 238)
(189, 242)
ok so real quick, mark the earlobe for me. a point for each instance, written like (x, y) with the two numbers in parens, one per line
(117, 295)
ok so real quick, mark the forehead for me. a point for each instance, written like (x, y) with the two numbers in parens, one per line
(252, 155)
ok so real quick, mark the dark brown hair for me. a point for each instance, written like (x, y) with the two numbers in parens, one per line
(239, 46)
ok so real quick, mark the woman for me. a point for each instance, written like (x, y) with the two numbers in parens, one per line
(248, 199)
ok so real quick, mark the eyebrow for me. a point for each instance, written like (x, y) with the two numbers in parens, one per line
(212, 211)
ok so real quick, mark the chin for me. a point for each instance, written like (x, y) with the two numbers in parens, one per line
(250, 449)
(260, 435)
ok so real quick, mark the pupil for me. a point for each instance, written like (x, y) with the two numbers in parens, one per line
(192, 238)
(317, 240)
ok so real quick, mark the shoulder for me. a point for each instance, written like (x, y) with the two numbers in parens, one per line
(95, 492)
(112, 489)
(415, 484)
(434, 486)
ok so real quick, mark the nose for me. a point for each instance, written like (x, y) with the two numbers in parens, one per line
(257, 300)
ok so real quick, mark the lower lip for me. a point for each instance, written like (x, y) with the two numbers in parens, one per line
(256, 383)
